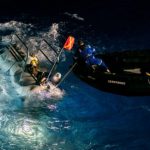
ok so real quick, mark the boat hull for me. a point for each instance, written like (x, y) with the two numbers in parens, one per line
(126, 77)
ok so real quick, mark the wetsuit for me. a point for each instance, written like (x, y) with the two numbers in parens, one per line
(88, 56)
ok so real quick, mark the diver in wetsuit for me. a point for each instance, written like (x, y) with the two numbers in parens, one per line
(86, 53)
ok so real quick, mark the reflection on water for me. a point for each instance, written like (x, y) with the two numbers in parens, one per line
(28, 127)
(84, 119)
(26, 118)
(25, 131)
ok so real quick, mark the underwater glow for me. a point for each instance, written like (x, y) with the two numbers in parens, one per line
(79, 118)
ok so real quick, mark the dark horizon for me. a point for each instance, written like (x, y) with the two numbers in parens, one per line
(104, 13)
(124, 8)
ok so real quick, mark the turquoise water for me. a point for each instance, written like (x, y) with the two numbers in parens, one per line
(84, 118)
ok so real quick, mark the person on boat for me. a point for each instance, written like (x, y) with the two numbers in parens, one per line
(86, 53)
(41, 77)
(33, 64)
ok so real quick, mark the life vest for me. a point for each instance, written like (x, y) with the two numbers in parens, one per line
(87, 52)
(34, 62)
(88, 56)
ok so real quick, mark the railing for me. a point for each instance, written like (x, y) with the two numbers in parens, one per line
(45, 56)
(50, 46)
(14, 51)
(24, 46)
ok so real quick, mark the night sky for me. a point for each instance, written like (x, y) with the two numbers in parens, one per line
(97, 11)
(124, 8)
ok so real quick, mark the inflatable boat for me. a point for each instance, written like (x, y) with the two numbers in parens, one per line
(130, 73)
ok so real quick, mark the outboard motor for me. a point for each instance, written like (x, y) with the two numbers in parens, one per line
(56, 78)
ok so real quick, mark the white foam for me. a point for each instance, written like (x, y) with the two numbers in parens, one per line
(40, 96)
(43, 93)
(53, 32)
(33, 43)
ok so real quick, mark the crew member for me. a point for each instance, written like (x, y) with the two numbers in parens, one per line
(86, 54)
(33, 64)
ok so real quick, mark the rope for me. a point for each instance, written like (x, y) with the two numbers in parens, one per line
(66, 74)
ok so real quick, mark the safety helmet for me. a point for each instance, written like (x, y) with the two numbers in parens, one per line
(34, 63)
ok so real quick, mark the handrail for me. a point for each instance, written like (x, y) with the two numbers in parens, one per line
(67, 73)
(54, 65)
(27, 53)
(12, 53)
(16, 51)
(25, 47)
(46, 56)
(50, 46)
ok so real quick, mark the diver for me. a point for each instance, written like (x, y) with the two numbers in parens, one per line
(85, 53)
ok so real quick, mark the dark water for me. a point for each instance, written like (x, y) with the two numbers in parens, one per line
(86, 118)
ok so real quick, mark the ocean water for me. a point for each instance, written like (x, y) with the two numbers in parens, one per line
(82, 118)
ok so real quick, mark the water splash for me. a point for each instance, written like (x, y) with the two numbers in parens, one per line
(34, 41)
(53, 32)
(41, 96)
